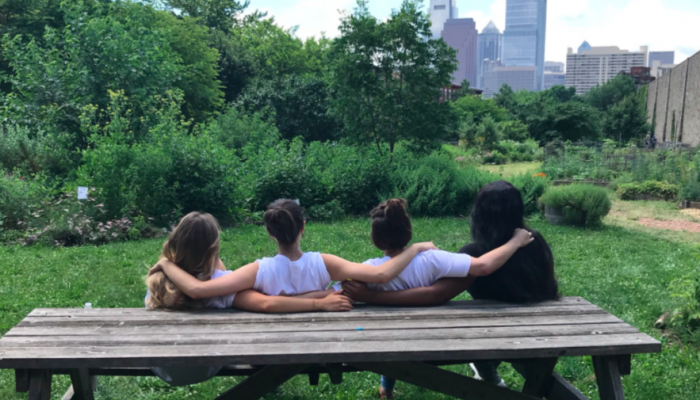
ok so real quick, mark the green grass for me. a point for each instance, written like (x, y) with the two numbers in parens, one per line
(625, 272)
(515, 169)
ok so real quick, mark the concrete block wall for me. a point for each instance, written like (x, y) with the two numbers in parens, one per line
(691, 121)
(672, 94)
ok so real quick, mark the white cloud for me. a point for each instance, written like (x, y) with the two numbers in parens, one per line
(637, 23)
(312, 17)
(496, 13)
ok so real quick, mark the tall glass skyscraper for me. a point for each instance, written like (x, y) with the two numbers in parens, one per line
(440, 11)
(489, 48)
(524, 36)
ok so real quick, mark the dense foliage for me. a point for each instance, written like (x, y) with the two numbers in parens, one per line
(582, 205)
(652, 189)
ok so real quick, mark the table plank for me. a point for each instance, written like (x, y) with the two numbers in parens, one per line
(327, 352)
(388, 335)
(175, 327)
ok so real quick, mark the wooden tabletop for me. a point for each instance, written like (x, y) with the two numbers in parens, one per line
(458, 331)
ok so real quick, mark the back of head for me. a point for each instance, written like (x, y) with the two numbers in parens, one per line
(284, 220)
(391, 225)
(497, 212)
(193, 246)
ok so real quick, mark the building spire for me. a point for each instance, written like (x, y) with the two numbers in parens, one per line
(491, 28)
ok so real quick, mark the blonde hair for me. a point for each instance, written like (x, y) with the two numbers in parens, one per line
(193, 246)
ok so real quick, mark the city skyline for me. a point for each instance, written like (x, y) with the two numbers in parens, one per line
(623, 23)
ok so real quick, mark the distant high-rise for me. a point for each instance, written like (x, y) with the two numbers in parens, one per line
(598, 65)
(524, 36)
(664, 57)
(553, 66)
(517, 77)
(554, 74)
(440, 11)
(584, 46)
(489, 47)
(461, 35)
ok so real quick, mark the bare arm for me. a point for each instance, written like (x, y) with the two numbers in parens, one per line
(495, 259)
(315, 295)
(438, 293)
(237, 281)
(341, 270)
(250, 300)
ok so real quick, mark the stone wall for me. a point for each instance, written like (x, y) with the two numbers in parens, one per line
(672, 95)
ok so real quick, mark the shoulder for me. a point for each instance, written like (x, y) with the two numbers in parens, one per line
(375, 262)
(219, 273)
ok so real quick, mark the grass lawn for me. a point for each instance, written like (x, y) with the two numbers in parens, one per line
(515, 169)
(625, 271)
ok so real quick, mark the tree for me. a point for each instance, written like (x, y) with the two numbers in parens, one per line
(487, 134)
(605, 96)
(216, 14)
(387, 77)
(505, 97)
(626, 120)
(300, 105)
(513, 130)
(479, 108)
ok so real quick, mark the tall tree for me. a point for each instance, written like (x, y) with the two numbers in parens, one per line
(387, 78)
(605, 96)
(216, 14)
(626, 120)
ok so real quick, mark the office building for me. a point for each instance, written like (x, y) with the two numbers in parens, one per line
(524, 36)
(461, 35)
(440, 11)
(554, 66)
(517, 77)
(598, 65)
(584, 46)
(658, 70)
(664, 58)
(554, 79)
(489, 47)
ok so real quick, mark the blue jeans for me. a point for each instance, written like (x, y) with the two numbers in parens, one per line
(388, 383)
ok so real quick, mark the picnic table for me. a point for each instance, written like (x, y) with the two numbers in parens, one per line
(409, 344)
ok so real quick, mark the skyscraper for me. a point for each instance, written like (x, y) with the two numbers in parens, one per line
(490, 46)
(524, 36)
(665, 57)
(461, 35)
(440, 11)
(584, 46)
(598, 65)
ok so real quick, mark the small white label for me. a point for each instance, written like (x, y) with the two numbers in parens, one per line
(82, 193)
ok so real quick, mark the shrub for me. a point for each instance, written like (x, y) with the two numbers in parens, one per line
(632, 191)
(435, 186)
(691, 191)
(532, 187)
(19, 198)
(495, 157)
(685, 319)
(581, 204)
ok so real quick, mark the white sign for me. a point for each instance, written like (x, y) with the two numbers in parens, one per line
(82, 193)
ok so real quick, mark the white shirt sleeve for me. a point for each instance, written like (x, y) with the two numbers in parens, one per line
(449, 265)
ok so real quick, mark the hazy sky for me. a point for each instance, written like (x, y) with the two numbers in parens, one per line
(629, 24)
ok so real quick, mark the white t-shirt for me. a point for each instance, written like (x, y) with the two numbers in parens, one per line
(280, 276)
(425, 269)
(212, 302)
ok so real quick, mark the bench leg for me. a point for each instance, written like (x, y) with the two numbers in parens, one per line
(40, 385)
(265, 381)
(538, 376)
(442, 381)
(335, 373)
(21, 380)
(607, 373)
(563, 390)
(83, 388)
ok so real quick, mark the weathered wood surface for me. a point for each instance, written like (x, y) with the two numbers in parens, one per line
(458, 331)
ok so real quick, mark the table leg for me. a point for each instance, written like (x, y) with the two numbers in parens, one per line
(538, 376)
(607, 373)
(442, 381)
(335, 373)
(40, 384)
(263, 382)
(563, 390)
(21, 380)
(83, 387)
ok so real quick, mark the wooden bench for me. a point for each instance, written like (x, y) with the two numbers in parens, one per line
(405, 343)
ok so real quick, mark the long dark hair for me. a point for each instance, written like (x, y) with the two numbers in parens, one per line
(529, 275)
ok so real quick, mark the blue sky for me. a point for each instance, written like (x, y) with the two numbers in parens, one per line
(629, 24)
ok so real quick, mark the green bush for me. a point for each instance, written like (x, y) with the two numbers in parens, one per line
(685, 319)
(691, 191)
(630, 191)
(532, 188)
(582, 205)
(20, 197)
(495, 157)
(435, 186)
